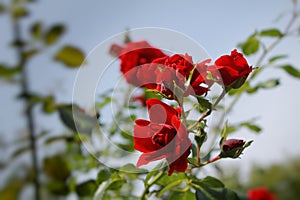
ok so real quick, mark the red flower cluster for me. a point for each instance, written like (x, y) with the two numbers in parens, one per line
(175, 77)
(260, 194)
(164, 136)
(145, 66)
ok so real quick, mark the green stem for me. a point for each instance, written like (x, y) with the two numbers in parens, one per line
(148, 185)
(204, 115)
(266, 51)
(28, 108)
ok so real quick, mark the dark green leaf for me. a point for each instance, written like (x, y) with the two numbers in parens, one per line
(20, 151)
(54, 33)
(204, 104)
(36, 30)
(251, 45)
(20, 12)
(58, 138)
(103, 175)
(209, 182)
(86, 188)
(30, 53)
(275, 58)
(76, 119)
(291, 70)
(7, 71)
(70, 56)
(58, 187)
(271, 33)
(56, 167)
(206, 193)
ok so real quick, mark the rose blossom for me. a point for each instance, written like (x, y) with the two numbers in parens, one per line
(231, 70)
(164, 136)
(133, 55)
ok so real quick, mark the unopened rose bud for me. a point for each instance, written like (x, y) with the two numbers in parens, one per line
(232, 148)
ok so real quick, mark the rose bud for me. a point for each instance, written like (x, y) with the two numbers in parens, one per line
(232, 148)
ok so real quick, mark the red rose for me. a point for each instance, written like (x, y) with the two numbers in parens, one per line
(231, 70)
(164, 136)
(232, 148)
(175, 70)
(133, 55)
(260, 194)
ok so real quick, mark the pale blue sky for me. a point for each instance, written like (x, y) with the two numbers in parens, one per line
(217, 25)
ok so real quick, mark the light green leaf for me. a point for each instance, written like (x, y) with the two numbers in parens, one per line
(291, 70)
(130, 168)
(169, 186)
(70, 56)
(188, 195)
(275, 58)
(251, 45)
(53, 34)
(20, 12)
(251, 126)
(271, 33)
(8, 71)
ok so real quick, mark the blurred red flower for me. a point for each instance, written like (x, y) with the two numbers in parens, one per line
(260, 194)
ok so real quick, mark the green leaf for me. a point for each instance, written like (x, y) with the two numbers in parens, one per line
(275, 58)
(182, 196)
(86, 188)
(58, 187)
(20, 151)
(251, 45)
(130, 168)
(271, 33)
(209, 182)
(8, 71)
(169, 186)
(30, 53)
(58, 138)
(70, 56)
(53, 34)
(251, 126)
(203, 104)
(207, 193)
(291, 70)
(56, 167)
(76, 119)
(103, 175)
(268, 84)
(36, 30)
(193, 161)
(20, 12)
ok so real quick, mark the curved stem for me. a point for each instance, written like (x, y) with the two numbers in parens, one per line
(148, 185)
(28, 108)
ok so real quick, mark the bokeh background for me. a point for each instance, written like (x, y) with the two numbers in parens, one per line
(219, 26)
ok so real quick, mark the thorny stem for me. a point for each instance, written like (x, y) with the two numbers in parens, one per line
(28, 108)
(148, 185)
